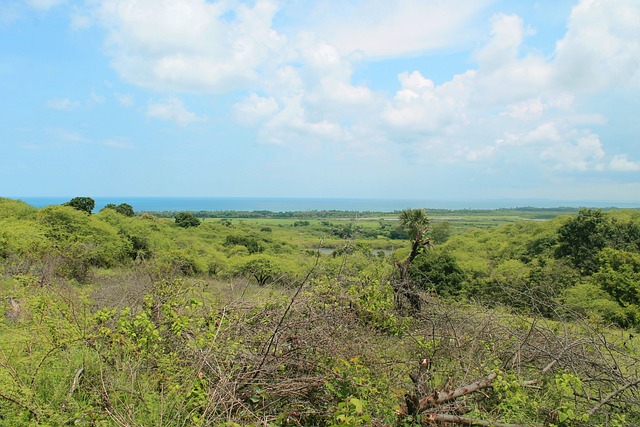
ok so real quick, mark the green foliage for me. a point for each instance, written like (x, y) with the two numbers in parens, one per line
(264, 270)
(619, 275)
(123, 209)
(440, 232)
(81, 241)
(252, 243)
(84, 204)
(414, 221)
(373, 302)
(514, 403)
(186, 220)
(172, 336)
(583, 237)
(346, 231)
(217, 264)
(352, 388)
(567, 413)
(179, 261)
(437, 269)
(398, 234)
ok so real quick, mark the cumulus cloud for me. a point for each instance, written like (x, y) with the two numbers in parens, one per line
(297, 79)
(621, 163)
(380, 28)
(582, 154)
(173, 110)
(601, 47)
(191, 45)
(422, 106)
(254, 108)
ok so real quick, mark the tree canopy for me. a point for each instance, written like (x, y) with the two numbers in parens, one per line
(186, 220)
(85, 204)
(123, 208)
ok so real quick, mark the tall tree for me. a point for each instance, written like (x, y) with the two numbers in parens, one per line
(416, 223)
(582, 237)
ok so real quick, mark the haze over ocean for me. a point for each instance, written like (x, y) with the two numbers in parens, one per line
(158, 204)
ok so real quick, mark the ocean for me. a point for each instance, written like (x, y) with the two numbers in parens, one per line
(195, 204)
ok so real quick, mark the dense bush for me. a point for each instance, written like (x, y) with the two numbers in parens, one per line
(186, 220)
(437, 270)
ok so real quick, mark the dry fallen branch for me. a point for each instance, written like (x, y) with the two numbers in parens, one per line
(447, 418)
(612, 395)
(444, 396)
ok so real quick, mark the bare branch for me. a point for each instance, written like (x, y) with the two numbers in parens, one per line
(612, 395)
(440, 397)
(447, 418)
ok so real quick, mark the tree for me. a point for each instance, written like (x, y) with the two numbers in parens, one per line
(416, 223)
(619, 275)
(123, 208)
(263, 269)
(438, 270)
(186, 220)
(440, 232)
(581, 238)
(85, 204)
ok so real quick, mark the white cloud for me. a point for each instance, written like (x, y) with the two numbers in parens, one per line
(503, 75)
(621, 163)
(173, 110)
(80, 20)
(527, 110)
(62, 104)
(191, 45)
(601, 47)
(292, 124)
(422, 106)
(380, 28)
(515, 105)
(582, 154)
(44, 4)
(254, 108)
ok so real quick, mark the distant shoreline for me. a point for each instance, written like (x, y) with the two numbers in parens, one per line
(275, 204)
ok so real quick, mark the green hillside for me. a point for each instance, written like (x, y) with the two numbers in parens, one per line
(519, 317)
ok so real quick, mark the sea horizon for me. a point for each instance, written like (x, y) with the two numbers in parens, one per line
(292, 204)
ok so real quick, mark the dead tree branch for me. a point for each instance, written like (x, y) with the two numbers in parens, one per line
(612, 395)
(447, 418)
(444, 396)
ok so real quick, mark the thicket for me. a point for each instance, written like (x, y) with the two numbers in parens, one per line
(108, 319)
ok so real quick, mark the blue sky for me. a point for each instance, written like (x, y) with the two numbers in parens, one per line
(422, 99)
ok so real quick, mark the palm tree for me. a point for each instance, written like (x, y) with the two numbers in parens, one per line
(416, 223)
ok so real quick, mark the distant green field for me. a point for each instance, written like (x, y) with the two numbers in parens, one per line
(459, 220)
